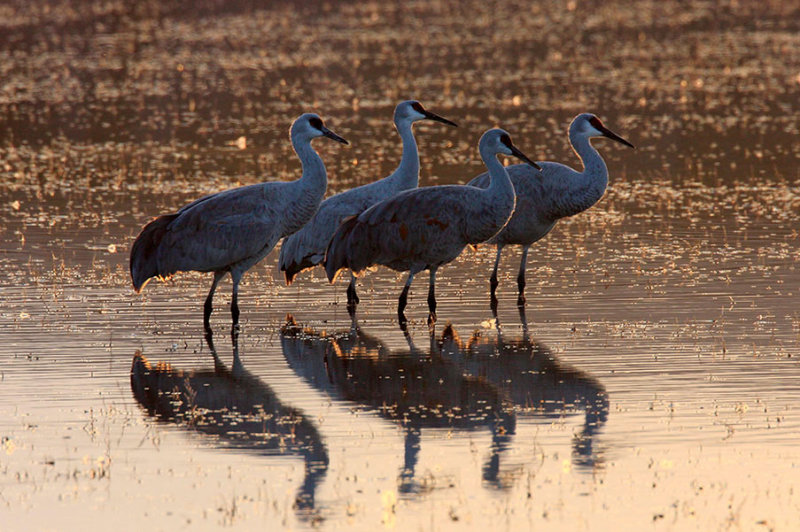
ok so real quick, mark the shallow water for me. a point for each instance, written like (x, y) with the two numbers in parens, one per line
(651, 381)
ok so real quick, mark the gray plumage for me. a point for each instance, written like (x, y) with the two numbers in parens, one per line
(555, 192)
(306, 248)
(231, 231)
(427, 227)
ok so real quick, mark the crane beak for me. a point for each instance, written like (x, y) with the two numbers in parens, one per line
(437, 118)
(613, 136)
(515, 151)
(331, 135)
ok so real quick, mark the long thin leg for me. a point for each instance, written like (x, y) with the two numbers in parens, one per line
(235, 301)
(410, 459)
(411, 347)
(502, 432)
(524, 320)
(493, 279)
(432, 298)
(352, 296)
(237, 368)
(209, 304)
(521, 276)
(401, 304)
(219, 367)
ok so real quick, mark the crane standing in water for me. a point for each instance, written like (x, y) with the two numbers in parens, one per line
(306, 248)
(230, 231)
(426, 227)
(555, 192)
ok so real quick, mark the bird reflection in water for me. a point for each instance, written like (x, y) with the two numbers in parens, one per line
(238, 410)
(483, 383)
(415, 388)
(530, 376)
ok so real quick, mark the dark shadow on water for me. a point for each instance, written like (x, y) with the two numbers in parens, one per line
(483, 383)
(236, 410)
(416, 388)
(529, 375)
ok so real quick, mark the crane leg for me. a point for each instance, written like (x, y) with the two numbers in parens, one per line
(432, 298)
(235, 301)
(209, 304)
(521, 276)
(493, 280)
(523, 320)
(352, 296)
(401, 304)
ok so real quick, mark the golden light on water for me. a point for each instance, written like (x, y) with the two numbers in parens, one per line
(651, 384)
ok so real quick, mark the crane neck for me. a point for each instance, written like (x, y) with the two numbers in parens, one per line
(594, 167)
(304, 195)
(500, 184)
(589, 185)
(496, 204)
(407, 172)
(314, 173)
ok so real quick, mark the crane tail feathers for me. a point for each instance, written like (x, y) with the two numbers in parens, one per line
(337, 253)
(139, 288)
(144, 251)
(335, 275)
(290, 271)
(294, 259)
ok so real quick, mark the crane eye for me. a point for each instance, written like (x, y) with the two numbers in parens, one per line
(315, 122)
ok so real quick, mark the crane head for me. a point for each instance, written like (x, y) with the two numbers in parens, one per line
(310, 126)
(412, 111)
(499, 141)
(591, 126)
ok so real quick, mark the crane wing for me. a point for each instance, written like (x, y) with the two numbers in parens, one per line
(223, 229)
(540, 194)
(306, 247)
(403, 229)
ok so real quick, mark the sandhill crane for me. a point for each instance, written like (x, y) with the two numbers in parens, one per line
(306, 248)
(426, 227)
(234, 408)
(553, 193)
(231, 231)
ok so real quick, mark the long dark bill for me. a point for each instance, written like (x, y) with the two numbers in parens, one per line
(331, 135)
(515, 151)
(613, 136)
(434, 116)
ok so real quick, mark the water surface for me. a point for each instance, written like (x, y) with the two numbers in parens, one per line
(650, 382)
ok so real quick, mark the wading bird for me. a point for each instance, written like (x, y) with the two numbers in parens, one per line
(555, 192)
(230, 231)
(426, 227)
(306, 248)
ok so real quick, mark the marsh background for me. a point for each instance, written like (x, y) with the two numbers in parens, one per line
(675, 296)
